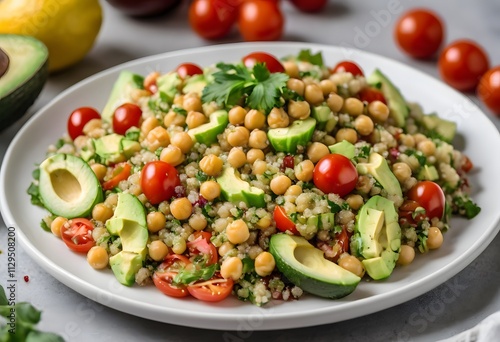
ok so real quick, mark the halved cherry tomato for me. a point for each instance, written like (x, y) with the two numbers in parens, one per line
(370, 94)
(335, 173)
(488, 89)
(120, 173)
(260, 20)
(164, 275)
(126, 116)
(272, 63)
(348, 66)
(283, 222)
(158, 181)
(201, 245)
(407, 213)
(341, 243)
(188, 69)
(212, 19)
(430, 196)
(213, 290)
(78, 237)
(310, 5)
(79, 118)
(206, 235)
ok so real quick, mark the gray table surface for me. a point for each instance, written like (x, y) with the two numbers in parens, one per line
(123, 39)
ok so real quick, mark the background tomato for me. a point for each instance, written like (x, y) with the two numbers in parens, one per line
(260, 20)
(78, 236)
(310, 5)
(79, 118)
(126, 116)
(348, 66)
(334, 173)
(488, 89)
(188, 69)
(430, 196)
(419, 33)
(283, 222)
(143, 7)
(462, 63)
(272, 63)
(158, 181)
(370, 94)
(212, 19)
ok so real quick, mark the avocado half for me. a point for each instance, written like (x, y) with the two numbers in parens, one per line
(23, 73)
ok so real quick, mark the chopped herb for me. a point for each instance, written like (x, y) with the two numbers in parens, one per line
(34, 192)
(44, 225)
(334, 207)
(294, 217)
(133, 134)
(289, 94)
(422, 241)
(307, 56)
(59, 143)
(36, 174)
(417, 154)
(201, 176)
(187, 276)
(180, 111)
(364, 152)
(465, 207)
(248, 265)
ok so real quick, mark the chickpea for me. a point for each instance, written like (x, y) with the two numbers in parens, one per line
(178, 100)
(157, 137)
(195, 119)
(327, 86)
(291, 69)
(99, 170)
(236, 157)
(353, 106)
(418, 138)
(434, 238)
(427, 147)
(353, 265)
(258, 139)
(81, 141)
(192, 103)
(254, 154)
(406, 255)
(92, 125)
(225, 248)
(181, 208)
(237, 115)
(293, 190)
(158, 250)
(172, 155)
(254, 119)
(364, 185)
(316, 151)
(304, 170)
(335, 102)
(363, 124)
(313, 94)
(179, 245)
(238, 136)
(259, 167)
(155, 221)
(150, 80)
(296, 85)
(329, 140)
(237, 232)
(101, 212)
(97, 257)
(402, 171)
(231, 268)
(210, 190)
(264, 264)
(299, 109)
(348, 134)
(355, 201)
(278, 118)
(211, 165)
(198, 222)
(280, 184)
(174, 119)
(264, 222)
(378, 110)
(148, 124)
(407, 140)
(183, 141)
(56, 225)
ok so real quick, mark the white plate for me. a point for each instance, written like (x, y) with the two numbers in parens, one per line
(463, 243)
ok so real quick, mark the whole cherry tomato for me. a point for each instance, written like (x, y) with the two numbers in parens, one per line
(126, 116)
(488, 89)
(212, 19)
(188, 69)
(79, 118)
(348, 66)
(430, 196)
(260, 20)
(335, 173)
(158, 181)
(419, 33)
(272, 63)
(310, 5)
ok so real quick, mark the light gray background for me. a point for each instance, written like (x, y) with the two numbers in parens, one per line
(457, 305)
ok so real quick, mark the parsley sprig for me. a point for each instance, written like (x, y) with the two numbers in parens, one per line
(233, 83)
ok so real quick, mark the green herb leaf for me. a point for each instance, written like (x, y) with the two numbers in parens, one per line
(3, 297)
(40, 336)
(187, 276)
(307, 56)
(34, 192)
(201, 176)
(180, 111)
(334, 207)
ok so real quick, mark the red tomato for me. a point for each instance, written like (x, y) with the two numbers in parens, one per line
(348, 66)
(213, 290)
(419, 33)
(188, 69)
(283, 222)
(120, 173)
(407, 213)
(158, 181)
(79, 118)
(334, 173)
(310, 5)
(212, 19)
(488, 89)
(467, 164)
(202, 245)
(370, 94)
(205, 235)
(271, 62)
(260, 20)
(430, 196)
(164, 275)
(78, 237)
(341, 244)
(126, 116)
(462, 63)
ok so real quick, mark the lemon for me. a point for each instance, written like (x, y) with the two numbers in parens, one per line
(67, 27)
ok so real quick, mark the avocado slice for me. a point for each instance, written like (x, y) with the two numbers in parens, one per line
(377, 166)
(23, 73)
(325, 119)
(109, 148)
(195, 84)
(207, 133)
(125, 265)
(299, 133)
(344, 148)
(121, 93)
(167, 85)
(444, 129)
(305, 266)
(377, 237)
(398, 108)
(236, 190)
(428, 172)
(68, 186)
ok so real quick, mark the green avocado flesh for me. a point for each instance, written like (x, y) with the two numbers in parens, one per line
(305, 266)
(207, 133)
(377, 166)
(68, 186)
(126, 83)
(236, 190)
(23, 73)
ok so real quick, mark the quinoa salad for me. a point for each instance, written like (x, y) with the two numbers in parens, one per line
(263, 179)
